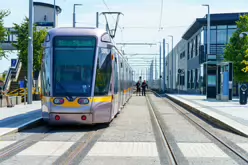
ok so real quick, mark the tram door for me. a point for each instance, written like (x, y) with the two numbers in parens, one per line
(115, 87)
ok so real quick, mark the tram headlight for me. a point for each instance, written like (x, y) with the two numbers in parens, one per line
(58, 101)
(83, 101)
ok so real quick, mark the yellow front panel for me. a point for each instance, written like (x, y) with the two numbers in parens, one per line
(74, 104)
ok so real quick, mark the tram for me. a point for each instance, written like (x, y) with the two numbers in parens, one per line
(84, 77)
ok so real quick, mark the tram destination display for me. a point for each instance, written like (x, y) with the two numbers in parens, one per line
(75, 42)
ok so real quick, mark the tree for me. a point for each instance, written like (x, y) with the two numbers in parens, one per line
(3, 31)
(22, 43)
(236, 50)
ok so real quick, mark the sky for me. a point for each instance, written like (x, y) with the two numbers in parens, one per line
(139, 24)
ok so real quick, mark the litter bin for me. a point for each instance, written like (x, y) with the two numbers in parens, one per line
(243, 94)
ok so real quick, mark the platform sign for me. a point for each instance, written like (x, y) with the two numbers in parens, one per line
(22, 84)
(13, 63)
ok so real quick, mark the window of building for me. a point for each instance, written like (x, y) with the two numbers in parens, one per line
(15, 37)
(212, 27)
(188, 50)
(196, 79)
(213, 36)
(182, 55)
(188, 79)
(232, 26)
(230, 33)
(192, 79)
(198, 44)
(223, 27)
(193, 48)
(221, 34)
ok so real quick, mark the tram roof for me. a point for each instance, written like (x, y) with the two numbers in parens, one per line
(77, 31)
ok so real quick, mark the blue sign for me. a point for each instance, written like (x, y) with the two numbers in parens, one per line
(13, 62)
(22, 84)
(226, 84)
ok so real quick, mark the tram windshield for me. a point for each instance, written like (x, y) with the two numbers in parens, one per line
(73, 65)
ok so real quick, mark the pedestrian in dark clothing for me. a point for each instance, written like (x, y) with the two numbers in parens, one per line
(138, 88)
(144, 86)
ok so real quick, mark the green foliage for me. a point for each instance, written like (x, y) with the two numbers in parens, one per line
(235, 50)
(3, 31)
(22, 43)
(4, 76)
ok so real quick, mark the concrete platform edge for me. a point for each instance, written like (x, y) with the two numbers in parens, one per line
(207, 116)
(27, 125)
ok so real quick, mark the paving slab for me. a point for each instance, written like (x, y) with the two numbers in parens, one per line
(129, 140)
(19, 116)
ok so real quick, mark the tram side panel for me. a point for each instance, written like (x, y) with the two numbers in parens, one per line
(125, 89)
(130, 83)
(121, 80)
(118, 81)
(128, 91)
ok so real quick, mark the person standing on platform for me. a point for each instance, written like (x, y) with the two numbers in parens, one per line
(138, 88)
(144, 86)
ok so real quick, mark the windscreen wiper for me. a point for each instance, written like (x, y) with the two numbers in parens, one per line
(67, 94)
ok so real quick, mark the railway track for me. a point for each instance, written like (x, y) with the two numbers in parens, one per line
(240, 155)
(166, 148)
(73, 155)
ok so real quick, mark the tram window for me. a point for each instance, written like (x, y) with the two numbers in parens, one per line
(116, 78)
(73, 67)
(46, 68)
(103, 72)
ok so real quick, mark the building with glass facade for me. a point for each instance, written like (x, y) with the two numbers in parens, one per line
(190, 55)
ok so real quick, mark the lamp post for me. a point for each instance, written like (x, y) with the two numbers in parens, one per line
(160, 74)
(243, 34)
(208, 45)
(54, 13)
(168, 46)
(172, 54)
(97, 19)
(74, 14)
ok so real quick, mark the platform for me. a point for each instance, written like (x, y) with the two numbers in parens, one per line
(229, 114)
(12, 119)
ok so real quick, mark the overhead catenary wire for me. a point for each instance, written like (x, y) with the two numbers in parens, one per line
(153, 27)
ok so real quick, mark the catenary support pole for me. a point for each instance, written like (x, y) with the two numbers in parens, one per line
(164, 64)
(30, 53)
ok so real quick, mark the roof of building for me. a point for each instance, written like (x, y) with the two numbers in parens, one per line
(216, 19)
(59, 10)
